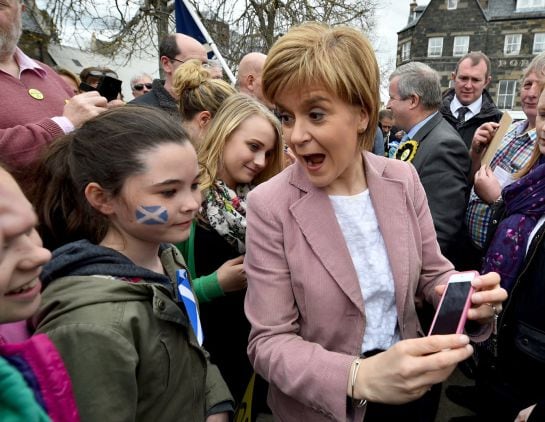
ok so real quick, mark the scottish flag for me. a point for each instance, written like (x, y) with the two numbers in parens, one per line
(188, 298)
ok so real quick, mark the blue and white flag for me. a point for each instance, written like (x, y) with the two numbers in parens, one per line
(185, 24)
(188, 23)
(188, 298)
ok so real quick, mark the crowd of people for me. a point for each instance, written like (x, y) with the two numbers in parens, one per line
(209, 252)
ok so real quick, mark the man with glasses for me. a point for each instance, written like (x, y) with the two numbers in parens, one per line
(174, 50)
(141, 84)
(434, 147)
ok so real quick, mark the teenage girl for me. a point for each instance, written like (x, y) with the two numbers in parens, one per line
(242, 148)
(199, 97)
(118, 304)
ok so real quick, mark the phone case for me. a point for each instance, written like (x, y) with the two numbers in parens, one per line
(463, 317)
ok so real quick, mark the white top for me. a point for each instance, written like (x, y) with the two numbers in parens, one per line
(357, 219)
(474, 107)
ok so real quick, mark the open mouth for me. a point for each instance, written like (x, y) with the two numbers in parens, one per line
(314, 159)
(24, 288)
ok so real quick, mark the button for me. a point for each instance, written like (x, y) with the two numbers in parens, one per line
(161, 305)
(525, 341)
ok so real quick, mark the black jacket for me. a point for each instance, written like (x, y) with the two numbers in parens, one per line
(159, 97)
(489, 113)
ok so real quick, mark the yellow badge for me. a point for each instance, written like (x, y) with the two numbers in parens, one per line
(36, 94)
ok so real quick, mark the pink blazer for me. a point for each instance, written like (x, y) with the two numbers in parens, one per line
(304, 299)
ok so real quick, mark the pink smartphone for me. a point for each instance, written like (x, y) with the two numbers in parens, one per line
(451, 313)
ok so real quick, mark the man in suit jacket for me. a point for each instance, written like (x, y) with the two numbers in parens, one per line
(433, 146)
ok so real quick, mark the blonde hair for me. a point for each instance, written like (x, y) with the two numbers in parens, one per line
(536, 153)
(229, 117)
(197, 91)
(339, 58)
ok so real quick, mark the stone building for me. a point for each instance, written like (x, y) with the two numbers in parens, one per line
(510, 32)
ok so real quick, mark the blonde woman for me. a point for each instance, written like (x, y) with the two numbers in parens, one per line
(340, 244)
(242, 148)
(199, 97)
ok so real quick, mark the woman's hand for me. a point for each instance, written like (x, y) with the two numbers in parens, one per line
(408, 369)
(524, 414)
(487, 299)
(231, 275)
(218, 417)
(486, 185)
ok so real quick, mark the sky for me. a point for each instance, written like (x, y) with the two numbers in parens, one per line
(392, 16)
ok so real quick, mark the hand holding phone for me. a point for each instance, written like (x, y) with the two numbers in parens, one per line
(107, 87)
(451, 313)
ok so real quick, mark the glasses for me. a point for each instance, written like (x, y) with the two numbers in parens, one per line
(140, 87)
(99, 74)
(205, 65)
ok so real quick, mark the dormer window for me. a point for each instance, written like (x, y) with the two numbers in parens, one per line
(530, 4)
(452, 4)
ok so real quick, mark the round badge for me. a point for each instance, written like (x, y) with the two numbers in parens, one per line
(36, 94)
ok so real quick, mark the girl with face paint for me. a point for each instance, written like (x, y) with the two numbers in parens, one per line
(118, 302)
(242, 148)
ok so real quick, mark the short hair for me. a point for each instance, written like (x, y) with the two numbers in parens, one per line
(340, 58)
(197, 91)
(416, 78)
(385, 113)
(65, 72)
(537, 66)
(84, 74)
(232, 113)
(476, 57)
(139, 76)
(168, 46)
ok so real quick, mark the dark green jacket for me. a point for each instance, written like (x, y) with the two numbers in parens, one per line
(129, 348)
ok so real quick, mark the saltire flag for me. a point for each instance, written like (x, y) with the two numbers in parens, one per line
(185, 24)
(188, 23)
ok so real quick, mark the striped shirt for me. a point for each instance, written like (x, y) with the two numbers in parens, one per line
(514, 152)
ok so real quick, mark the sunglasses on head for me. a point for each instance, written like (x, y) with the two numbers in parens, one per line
(140, 87)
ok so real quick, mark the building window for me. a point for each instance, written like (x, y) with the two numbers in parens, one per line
(539, 43)
(530, 4)
(512, 44)
(461, 46)
(452, 4)
(405, 51)
(506, 94)
(435, 47)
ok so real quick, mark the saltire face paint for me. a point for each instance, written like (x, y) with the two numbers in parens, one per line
(152, 214)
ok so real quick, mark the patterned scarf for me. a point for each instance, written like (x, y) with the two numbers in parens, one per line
(524, 205)
(225, 211)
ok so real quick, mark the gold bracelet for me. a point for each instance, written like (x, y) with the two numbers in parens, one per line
(353, 374)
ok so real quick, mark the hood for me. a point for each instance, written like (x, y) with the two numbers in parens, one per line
(82, 274)
(82, 258)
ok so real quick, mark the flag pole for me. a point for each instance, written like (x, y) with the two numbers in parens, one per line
(209, 40)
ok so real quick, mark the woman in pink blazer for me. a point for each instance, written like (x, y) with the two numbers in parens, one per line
(340, 244)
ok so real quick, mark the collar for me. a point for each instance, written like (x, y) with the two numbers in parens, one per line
(474, 107)
(26, 63)
(417, 127)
